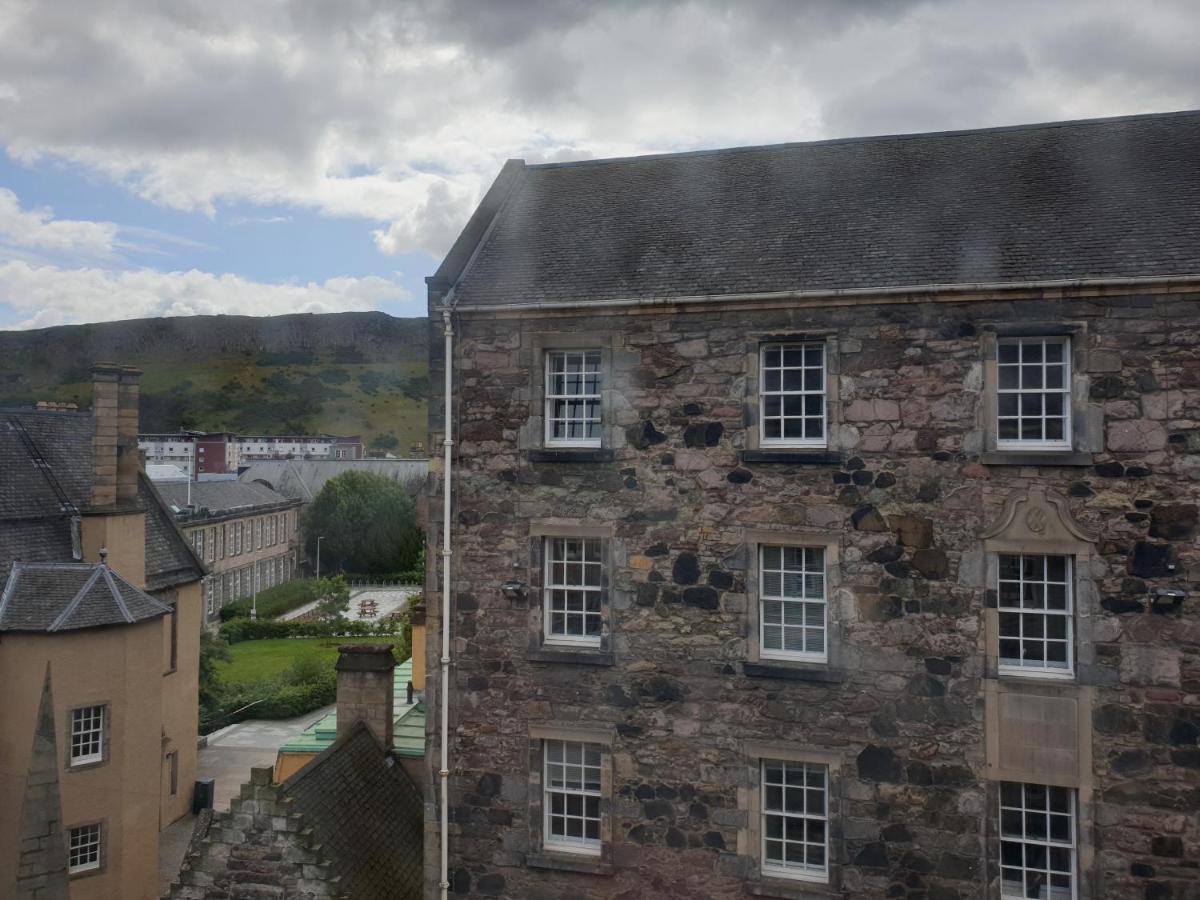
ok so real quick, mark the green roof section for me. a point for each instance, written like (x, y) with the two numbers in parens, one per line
(408, 723)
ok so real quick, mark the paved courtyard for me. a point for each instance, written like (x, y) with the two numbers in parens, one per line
(387, 601)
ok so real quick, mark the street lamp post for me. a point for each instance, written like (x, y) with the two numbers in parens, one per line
(319, 539)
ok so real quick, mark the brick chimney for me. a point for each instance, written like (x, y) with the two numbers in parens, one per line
(115, 461)
(417, 617)
(364, 689)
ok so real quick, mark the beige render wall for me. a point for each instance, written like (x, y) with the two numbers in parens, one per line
(119, 666)
(180, 701)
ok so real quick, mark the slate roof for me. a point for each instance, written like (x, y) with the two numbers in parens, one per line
(302, 479)
(221, 497)
(68, 596)
(35, 526)
(367, 816)
(1094, 199)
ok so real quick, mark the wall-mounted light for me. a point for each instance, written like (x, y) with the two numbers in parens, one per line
(514, 591)
(1165, 600)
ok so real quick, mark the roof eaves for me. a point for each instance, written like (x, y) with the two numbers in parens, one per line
(475, 233)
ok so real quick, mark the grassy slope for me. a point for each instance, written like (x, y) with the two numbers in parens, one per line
(255, 661)
(316, 389)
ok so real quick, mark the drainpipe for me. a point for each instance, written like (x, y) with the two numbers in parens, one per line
(444, 773)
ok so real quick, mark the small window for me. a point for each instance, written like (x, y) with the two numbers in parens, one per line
(84, 849)
(173, 772)
(573, 398)
(574, 590)
(1037, 842)
(792, 612)
(792, 394)
(87, 735)
(1033, 393)
(795, 820)
(1034, 605)
(572, 801)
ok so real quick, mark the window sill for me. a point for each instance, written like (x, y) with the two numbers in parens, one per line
(86, 766)
(791, 890)
(569, 862)
(1036, 458)
(1009, 676)
(793, 671)
(584, 656)
(793, 457)
(572, 455)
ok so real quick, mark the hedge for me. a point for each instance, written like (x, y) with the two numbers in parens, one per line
(274, 601)
(237, 630)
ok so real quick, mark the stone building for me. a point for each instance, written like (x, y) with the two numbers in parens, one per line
(99, 653)
(824, 521)
(246, 533)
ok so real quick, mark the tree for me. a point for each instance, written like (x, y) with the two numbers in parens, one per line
(367, 524)
(333, 597)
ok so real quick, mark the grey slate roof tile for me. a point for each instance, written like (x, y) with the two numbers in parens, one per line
(221, 497)
(69, 596)
(34, 528)
(367, 815)
(1091, 199)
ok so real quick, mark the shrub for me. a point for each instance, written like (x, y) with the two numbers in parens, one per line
(237, 630)
(274, 601)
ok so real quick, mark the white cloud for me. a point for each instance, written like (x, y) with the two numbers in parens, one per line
(47, 295)
(402, 112)
(39, 231)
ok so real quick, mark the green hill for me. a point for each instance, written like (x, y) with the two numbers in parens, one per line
(340, 373)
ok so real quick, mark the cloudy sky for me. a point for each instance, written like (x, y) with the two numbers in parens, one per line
(310, 156)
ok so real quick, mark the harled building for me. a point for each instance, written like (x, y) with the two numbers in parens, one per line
(99, 650)
(824, 522)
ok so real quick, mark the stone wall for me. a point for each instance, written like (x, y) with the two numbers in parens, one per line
(906, 498)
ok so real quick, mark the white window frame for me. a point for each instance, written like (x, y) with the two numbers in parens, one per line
(549, 546)
(765, 596)
(582, 845)
(804, 871)
(765, 391)
(84, 845)
(209, 598)
(1010, 811)
(587, 398)
(1064, 390)
(1021, 611)
(87, 730)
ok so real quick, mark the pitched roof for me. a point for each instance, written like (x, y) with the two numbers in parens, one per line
(367, 815)
(221, 497)
(302, 479)
(1094, 199)
(45, 477)
(69, 596)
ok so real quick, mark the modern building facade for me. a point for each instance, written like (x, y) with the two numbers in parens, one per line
(245, 533)
(199, 453)
(824, 521)
(99, 653)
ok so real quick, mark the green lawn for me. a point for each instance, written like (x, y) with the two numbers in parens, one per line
(254, 661)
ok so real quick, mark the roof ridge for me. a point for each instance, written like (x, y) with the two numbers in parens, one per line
(864, 139)
(10, 587)
(116, 592)
(70, 608)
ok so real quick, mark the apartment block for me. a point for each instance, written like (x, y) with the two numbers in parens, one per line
(823, 522)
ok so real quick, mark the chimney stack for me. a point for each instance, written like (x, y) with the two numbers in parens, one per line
(105, 385)
(417, 617)
(129, 461)
(115, 461)
(364, 689)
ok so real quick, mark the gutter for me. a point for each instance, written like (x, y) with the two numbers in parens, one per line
(447, 446)
(836, 293)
